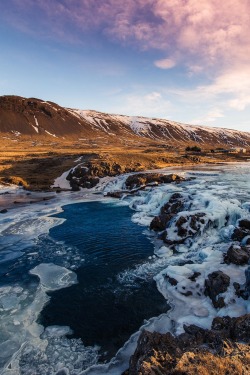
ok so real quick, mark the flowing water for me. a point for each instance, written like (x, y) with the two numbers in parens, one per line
(77, 281)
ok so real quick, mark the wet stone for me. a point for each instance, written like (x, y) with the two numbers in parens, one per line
(216, 283)
(171, 280)
(244, 223)
(237, 255)
(194, 276)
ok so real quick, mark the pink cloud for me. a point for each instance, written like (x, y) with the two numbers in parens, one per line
(205, 30)
(165, 63)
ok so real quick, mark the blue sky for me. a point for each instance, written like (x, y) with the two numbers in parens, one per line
(185, 60)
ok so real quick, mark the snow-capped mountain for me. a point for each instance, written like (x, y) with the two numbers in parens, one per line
(37, 118)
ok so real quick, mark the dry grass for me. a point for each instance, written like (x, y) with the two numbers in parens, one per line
(235, 360)
(38, 163)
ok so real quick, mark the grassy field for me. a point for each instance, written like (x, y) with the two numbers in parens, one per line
(36, 163)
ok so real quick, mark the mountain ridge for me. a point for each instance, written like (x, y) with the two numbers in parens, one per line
(37, 118)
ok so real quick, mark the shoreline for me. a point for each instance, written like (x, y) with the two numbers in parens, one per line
(12, 195)
(38, 171)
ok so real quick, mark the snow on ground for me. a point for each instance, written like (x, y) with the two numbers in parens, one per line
(145, 126)
(62, 182)
(53, 135)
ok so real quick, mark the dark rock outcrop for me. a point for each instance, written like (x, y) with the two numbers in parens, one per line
(216, 283)
(89, 174)
(242, 231)
(237, 255)
(187, 226)
(136, 180)
(196, 351)
(168, 211)
(244, 223)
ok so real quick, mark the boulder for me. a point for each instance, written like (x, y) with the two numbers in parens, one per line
(136, 180)
(186, 226)
(240, 330)
(216, 283)
(4, 211)
(221, 323)
(171, 280)
(241, 292)
(244, 223)
(237, 255)
(115, 194)
(167, 212)
(74, 185)
(240, 233)
(194, 276)
(159, 223)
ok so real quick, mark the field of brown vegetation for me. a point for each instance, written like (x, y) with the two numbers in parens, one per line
(36, 164)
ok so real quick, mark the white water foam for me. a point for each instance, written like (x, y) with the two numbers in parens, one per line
(223, 202)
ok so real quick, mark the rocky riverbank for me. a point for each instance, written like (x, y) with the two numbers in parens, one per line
(224, 349)
(36, 165)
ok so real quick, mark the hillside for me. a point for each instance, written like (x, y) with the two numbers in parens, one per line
(22, 117)
(160, 129)
(41, 140)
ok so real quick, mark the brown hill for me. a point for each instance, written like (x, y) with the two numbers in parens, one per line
(37, 119)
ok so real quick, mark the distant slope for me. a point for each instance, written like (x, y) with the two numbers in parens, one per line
(173, 132)
(36, 118)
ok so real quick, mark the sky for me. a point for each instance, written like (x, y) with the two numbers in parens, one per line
(183, 60)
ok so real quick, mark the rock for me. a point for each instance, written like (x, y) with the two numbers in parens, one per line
(167, 212)
(182, 232)
(63, 371)
(247, 273)
(196, 219)
(216, 283)
(187, 294)
(159, 223)
(182, 220)
(221, 323)
(237, 255)
(241, 328)
(115, 194)
(74, 185)
(196, 351)
(239, 234)
(136, 180)
(194, 276)
(164, 237)
(87, 175)
(244, 223)
(171, 280)
(4, 211)
(186, 226)
(240, 292)
(167, 179)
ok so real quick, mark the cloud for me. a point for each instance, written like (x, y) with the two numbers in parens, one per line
(151, 104)
(240, 103)
(231, 88)
(165, 63)
(212, 33)
(226, 96)
(211, 116)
